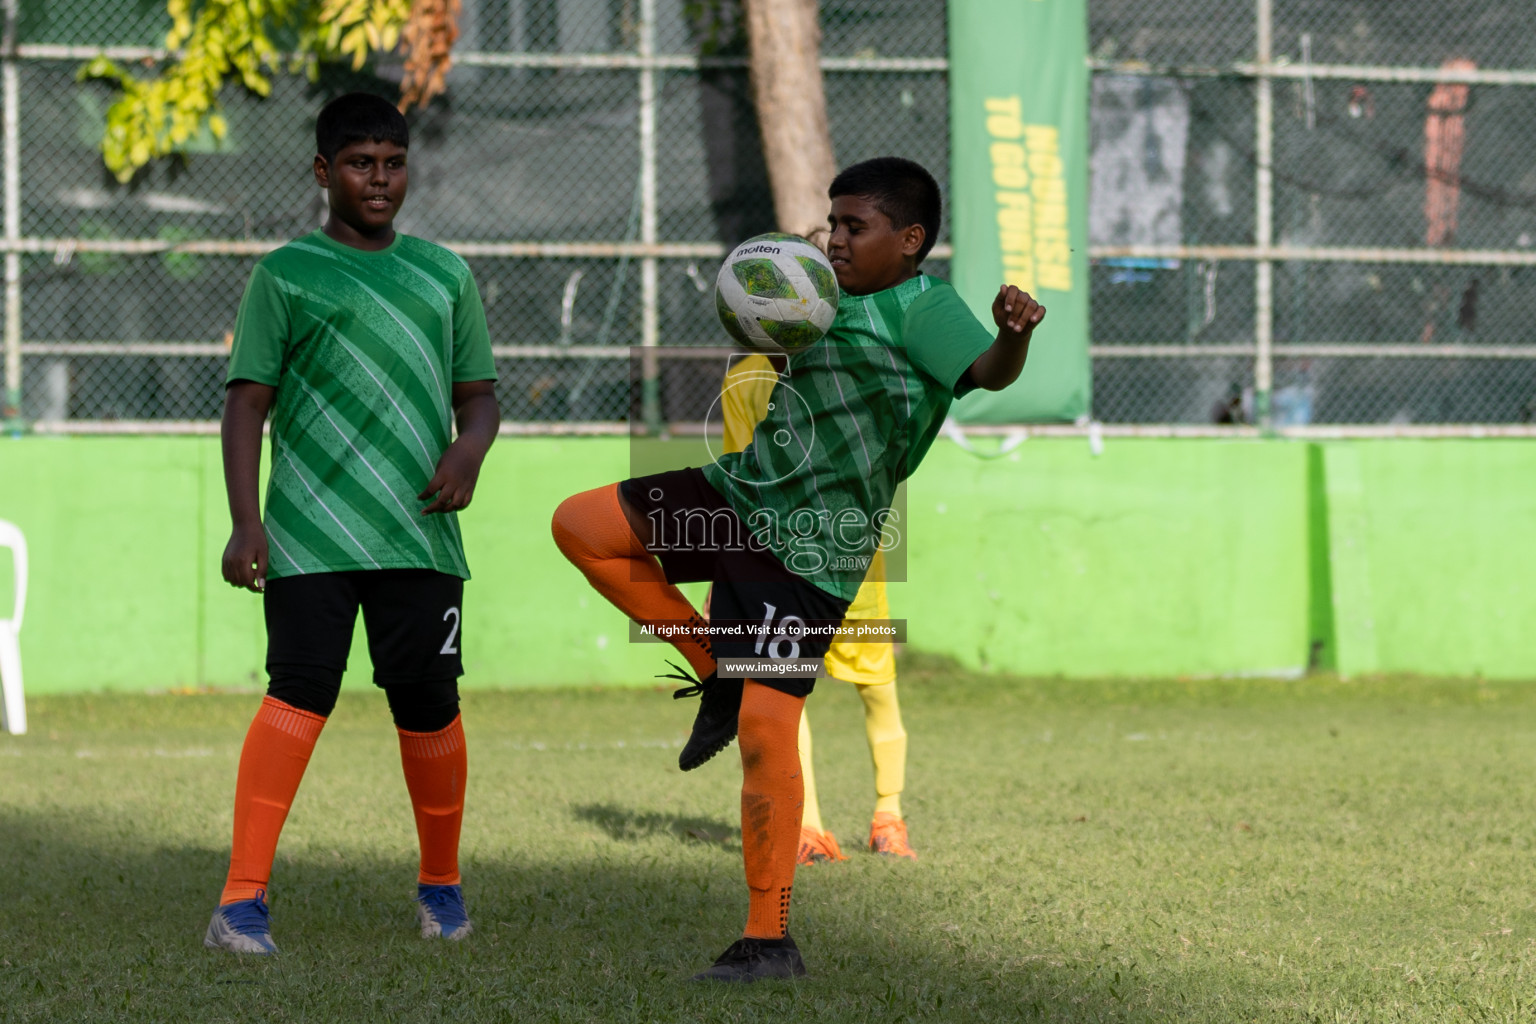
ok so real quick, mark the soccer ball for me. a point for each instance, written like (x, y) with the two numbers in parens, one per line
(776, 293)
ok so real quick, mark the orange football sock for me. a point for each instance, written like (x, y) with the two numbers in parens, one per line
(435, 765)
(772, 797)
(591, 531)
(272, 763)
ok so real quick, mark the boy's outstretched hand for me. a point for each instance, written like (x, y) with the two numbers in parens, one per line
(1016, 312)
(1016, 315)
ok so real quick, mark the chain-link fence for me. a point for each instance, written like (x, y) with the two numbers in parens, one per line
(1303, 211)
(1319, 211)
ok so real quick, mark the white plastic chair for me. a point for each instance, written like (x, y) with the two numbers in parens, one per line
(15, 707)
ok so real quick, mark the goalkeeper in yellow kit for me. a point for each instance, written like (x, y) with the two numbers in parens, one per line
(744, 397)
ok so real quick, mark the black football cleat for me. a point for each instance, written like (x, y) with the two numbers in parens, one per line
(750, 960)
(715, 725)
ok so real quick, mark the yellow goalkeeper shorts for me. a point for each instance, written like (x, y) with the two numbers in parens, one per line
(867, 664)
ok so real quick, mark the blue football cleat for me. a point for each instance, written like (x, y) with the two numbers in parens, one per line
(440, 908)
(241, 927)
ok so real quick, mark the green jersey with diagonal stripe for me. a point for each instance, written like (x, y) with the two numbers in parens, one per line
(364, 349)
(850, 419)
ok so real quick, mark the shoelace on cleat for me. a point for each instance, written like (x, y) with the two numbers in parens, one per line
(745, 950)
(446, 905)
(249, 917)
(694, 690)
(739, 952)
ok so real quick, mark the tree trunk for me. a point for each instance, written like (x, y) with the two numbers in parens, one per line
(784, 40)
(740, 197)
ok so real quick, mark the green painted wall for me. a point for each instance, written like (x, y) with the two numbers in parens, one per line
(124, 537)
(1159, 557)
(1442, 555)
(1156, 557)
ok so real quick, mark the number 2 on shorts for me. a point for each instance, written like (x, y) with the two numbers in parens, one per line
(449, 645)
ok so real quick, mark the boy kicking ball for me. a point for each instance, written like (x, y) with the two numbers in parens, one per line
(365, 345)
(745, 396)
(785, 528)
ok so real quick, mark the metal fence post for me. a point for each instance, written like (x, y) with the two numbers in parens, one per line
(11, 87)
(650, 390)
(1263, 228)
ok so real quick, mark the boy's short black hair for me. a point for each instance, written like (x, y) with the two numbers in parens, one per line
(901, 189)
(359, 117)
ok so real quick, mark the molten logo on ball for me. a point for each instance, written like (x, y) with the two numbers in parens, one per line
(776, 293)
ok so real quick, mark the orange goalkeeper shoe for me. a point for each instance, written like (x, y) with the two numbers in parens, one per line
(888, 837)
(817, 847)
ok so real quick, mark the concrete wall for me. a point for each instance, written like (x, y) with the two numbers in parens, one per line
(1156, 557)
(1433, 556)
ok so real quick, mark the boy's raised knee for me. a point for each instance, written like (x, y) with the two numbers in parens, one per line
(593, 525)
(562, 524)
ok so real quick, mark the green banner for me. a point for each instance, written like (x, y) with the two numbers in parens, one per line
(1018, 101)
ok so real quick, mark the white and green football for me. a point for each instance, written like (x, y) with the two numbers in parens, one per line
(776, 293)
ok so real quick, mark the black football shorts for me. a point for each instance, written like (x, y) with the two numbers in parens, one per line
(413, 617)
(759, 609)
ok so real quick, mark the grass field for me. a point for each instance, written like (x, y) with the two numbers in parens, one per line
(1137, 851)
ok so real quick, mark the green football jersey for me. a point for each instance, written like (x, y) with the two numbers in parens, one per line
(851, 418)
(364, 349)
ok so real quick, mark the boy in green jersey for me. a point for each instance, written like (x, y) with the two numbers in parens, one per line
(785, 529)
(366, 346)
